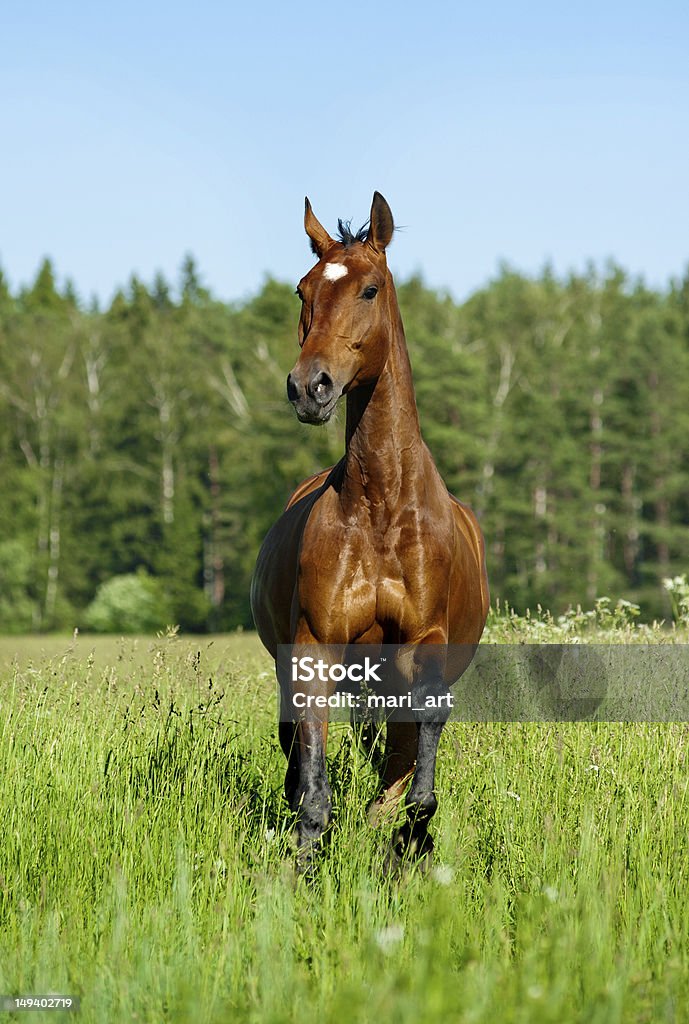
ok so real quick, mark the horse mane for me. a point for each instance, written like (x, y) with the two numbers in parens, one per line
(349, 237)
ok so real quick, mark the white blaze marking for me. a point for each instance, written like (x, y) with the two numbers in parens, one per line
(334, 271)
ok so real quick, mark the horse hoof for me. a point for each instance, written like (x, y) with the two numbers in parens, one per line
(401, 868)
(408, 852)
(308, 855)
(305, 868)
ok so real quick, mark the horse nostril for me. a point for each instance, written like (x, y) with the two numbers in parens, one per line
(292, 389)
(322, 388)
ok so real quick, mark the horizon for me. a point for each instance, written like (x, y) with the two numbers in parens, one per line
(600, 270)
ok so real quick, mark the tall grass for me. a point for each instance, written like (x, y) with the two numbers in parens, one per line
(145, 860)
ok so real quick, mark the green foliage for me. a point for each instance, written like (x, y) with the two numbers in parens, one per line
(133, 603)
(605, 623)
(146, 864)
(16, 604)
(156, 433)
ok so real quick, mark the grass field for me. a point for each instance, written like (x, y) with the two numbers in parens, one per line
(145, 861)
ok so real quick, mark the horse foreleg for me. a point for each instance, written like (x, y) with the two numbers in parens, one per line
(432, 700)
(306, 784)
(312, 796)
(312, 800)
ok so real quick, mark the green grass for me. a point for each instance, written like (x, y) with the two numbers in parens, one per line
(145, 859)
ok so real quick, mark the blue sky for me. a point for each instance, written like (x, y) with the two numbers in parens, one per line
(132, 133)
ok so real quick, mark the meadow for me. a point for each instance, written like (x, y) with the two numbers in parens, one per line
(146, 861)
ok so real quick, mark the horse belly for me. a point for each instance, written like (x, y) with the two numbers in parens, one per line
(468, 593)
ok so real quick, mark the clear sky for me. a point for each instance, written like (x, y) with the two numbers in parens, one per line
(132, 132)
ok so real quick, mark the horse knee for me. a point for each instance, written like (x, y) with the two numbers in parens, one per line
(432, 701)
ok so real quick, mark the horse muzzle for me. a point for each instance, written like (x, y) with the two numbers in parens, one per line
(314, 400)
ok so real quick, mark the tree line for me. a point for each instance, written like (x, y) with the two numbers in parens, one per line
(153, 437)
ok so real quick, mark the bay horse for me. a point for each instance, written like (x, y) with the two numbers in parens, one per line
(374, 550)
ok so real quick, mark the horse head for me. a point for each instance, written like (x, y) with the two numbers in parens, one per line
(344, 327)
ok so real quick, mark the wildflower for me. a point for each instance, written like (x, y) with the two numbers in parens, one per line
(390, 937)
(443, 874)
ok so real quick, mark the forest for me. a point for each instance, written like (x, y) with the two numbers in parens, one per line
(146, 447)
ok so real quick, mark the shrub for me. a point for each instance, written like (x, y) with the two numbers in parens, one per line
(133, 603)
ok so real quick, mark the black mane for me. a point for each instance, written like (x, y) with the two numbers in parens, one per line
(347, 236)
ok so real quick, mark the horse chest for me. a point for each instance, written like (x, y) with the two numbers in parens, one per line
(358, 583)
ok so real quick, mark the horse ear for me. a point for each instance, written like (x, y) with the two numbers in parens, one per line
(382, 224)
(320, 239)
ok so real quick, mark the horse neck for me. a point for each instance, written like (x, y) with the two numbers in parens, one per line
(383, 437)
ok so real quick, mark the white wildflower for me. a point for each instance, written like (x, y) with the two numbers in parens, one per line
(443, 874)
(390, 937)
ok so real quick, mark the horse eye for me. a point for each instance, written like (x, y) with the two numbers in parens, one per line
(370, 292)
(298, 291)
